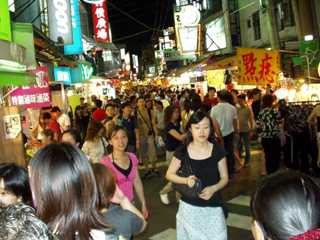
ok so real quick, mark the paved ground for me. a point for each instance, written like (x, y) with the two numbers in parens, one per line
(161, 225)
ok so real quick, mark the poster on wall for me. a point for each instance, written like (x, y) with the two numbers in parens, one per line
(37, 96)
(12, 126)
(258, 66)
(60, 21)
(101, 21)
(215, 78)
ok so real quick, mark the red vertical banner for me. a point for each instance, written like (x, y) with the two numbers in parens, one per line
(101, 21)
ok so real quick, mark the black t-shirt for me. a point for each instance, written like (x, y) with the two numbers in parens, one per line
(207, 171)
(130, 125)
(171, 142)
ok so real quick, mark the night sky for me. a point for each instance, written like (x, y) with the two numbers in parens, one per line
(153, 16)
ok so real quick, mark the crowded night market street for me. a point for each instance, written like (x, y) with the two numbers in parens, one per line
(160, 120)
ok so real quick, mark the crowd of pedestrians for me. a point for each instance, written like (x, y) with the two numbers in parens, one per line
(83, 175)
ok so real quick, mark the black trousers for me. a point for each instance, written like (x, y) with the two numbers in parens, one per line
(272, 153)
(229, 147)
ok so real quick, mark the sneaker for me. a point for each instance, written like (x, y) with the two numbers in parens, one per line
(164, 198)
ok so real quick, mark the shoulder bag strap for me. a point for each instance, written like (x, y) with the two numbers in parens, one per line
(144, 120)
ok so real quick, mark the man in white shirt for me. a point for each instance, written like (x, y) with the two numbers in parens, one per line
(62, 118)
(226, 115)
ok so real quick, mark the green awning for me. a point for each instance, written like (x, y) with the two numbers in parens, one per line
(16, 79)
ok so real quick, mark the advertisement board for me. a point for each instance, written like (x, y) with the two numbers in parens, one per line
(101, 21)
(62, 74)
(258, 66)
(60, 22)
(76, 47)
(216, 35)
(5, 28)
(37, 96)
(188, 38)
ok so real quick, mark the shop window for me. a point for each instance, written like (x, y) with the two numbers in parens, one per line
(256, 25)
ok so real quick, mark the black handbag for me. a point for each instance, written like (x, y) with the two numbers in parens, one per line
(186, 191)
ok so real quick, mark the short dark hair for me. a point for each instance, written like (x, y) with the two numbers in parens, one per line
(224, 95)
(16, 180)
(74, 133)
(126, 104)
(98, 103)
(55, 109)
(267, 100)
(45, 115)
(286, 204)
(242, 96)
(212, 89)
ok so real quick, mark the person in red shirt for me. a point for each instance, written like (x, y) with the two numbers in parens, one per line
(55, 127)
(210, 99)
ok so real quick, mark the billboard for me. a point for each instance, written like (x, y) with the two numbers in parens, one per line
(60, 22)
(76, 47)
(258, 66)
(188, 39)
(5, 27)
(216, 35)
(37, 96)
(101, 21)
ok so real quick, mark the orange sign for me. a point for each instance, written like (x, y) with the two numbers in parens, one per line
(258, 66)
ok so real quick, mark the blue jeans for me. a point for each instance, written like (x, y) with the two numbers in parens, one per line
(245, 140)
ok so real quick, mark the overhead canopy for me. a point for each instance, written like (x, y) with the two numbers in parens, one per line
(215, 62)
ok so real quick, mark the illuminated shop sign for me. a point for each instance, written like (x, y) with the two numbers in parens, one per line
(101, 21)
(188, 39)
(36, 96)
(62, 74)
(60, 22)
(76, 47)
(215, 35)
(93, 1)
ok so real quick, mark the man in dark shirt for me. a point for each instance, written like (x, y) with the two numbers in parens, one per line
(127, 121)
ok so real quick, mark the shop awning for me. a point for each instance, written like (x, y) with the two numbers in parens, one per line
(215, 62)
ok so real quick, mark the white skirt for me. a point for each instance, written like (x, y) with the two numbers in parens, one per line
(200, 223)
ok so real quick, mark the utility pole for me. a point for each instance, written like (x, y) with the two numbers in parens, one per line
(226, 16)
(272, 25)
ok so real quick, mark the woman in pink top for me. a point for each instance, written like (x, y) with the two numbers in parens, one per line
(124, 165)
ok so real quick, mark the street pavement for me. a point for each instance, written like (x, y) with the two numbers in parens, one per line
(162, 221)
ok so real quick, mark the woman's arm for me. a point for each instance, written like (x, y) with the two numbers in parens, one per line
(138, 187)
(208, 192)
(174, 133)
(173, 177)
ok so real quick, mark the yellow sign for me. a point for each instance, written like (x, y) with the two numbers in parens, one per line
(215, 78)
(258, 66)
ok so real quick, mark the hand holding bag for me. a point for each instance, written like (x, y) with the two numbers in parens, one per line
(186, 191)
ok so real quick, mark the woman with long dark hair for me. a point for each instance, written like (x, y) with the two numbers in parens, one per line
(65, 193)
(125, 167)
(201, 217)
(286, 206)
(95, 145)
(174, 138)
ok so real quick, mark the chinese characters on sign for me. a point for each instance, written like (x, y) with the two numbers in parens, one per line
(101, 21)
(258, 66)
(34, 97)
